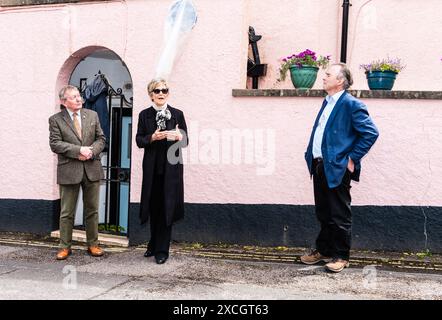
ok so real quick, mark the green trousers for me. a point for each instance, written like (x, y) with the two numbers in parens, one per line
(69, 196)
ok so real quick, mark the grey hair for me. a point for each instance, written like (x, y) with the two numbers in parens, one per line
(154, 83)
(63, 90)
(345, 74)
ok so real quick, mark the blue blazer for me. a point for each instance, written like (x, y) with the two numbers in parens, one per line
(349, 132)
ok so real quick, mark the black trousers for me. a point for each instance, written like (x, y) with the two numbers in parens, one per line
(332, 206)
(160, 233)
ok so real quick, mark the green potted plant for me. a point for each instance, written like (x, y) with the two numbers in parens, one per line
(303, 68)
(381, 74)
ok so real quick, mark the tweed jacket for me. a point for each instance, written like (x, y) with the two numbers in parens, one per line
(65, 142)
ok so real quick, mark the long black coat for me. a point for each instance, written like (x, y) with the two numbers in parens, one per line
(173, 172)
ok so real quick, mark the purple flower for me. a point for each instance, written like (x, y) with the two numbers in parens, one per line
(299, 59)
(387, 64)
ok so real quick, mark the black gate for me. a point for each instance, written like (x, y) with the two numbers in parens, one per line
(118, 163)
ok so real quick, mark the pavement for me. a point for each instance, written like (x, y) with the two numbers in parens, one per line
(29, 271)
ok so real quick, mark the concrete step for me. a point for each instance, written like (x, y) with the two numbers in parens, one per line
(103, 238)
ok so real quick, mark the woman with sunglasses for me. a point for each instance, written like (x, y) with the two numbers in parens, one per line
(162, 132)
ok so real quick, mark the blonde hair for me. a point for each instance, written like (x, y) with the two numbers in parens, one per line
(154, 83)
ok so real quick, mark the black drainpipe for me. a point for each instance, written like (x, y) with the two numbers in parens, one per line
(346, 7)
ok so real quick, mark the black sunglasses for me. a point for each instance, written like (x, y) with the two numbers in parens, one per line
(157, 91)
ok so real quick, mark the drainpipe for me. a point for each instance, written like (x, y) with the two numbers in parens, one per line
(346, 6)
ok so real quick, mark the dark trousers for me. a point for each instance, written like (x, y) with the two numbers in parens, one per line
(160, 233)
(333, 211)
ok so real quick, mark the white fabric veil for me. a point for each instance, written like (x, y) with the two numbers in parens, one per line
(180, 21)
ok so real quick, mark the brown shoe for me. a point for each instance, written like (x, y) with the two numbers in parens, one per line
(337, 265)
(314, 258)
(63, 254)
(95, 251)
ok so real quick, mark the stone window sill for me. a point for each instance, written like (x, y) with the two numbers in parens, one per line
(315, 93)
(19, 3)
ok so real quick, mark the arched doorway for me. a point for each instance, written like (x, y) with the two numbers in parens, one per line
(106, 85)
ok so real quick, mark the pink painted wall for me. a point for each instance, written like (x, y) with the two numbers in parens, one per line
(404, 167)
(409, 30)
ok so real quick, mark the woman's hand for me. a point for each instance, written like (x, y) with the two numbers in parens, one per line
(179, 136)
(158, 135)
(174, 135)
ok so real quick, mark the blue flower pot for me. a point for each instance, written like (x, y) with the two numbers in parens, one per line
(304, 77)
(381, 80)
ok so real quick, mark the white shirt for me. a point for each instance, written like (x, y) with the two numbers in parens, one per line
(157, 108)
(319, 133)
(71, 114)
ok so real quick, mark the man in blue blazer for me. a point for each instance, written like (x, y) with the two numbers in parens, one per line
(343, 133)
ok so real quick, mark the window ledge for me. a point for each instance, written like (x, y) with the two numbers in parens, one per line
(315, 93)
(20, 3)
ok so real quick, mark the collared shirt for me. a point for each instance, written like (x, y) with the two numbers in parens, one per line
(319, 133)
(71, 114)
(157, 108)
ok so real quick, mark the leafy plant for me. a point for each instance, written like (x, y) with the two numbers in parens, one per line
(110, 227)
(422, 255)
(304, 58)
(382, 65)
(196, 246)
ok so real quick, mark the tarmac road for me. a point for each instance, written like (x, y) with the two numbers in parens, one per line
(31, 272)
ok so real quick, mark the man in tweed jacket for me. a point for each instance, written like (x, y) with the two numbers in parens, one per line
(75, 135)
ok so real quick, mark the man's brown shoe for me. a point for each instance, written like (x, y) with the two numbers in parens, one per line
(337, 265)
(63, 254)
(95, 251)
(314, 258)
